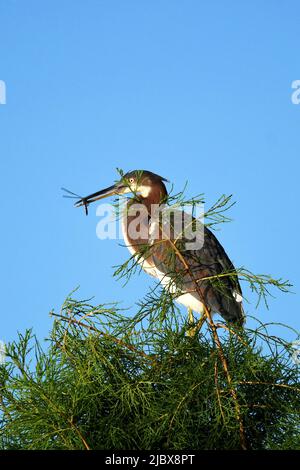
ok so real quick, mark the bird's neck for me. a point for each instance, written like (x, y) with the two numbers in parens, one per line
(136, 221)
(153, 196)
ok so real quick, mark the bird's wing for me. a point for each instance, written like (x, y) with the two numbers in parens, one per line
(220, 290)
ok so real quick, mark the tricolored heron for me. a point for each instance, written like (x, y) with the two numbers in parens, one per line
(198, 278)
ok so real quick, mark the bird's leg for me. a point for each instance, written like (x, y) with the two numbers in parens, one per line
(191, 330)
(200, 322)
(194, 326)
(191, 316)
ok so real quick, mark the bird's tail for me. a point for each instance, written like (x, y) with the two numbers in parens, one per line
(232, 309)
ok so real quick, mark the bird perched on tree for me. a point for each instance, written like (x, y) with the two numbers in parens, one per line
(201, 278)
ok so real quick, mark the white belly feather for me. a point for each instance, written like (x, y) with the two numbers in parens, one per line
(188, 300)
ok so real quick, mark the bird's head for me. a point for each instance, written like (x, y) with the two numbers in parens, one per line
(139, 182)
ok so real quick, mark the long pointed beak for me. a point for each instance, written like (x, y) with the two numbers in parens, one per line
(110, 191)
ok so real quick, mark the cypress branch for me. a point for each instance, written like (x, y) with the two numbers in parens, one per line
(147, 385)
(108, 380)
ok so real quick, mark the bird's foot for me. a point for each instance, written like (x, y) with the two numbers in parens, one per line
(194, 326)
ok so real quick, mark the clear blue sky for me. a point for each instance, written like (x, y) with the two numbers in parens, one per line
(193, 90)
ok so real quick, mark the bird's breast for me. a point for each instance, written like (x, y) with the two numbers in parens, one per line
(135, 230)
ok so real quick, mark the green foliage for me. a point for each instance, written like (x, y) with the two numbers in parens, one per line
(110, 382)
(157, 380)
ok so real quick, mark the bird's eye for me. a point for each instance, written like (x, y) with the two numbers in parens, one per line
(131, 180)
